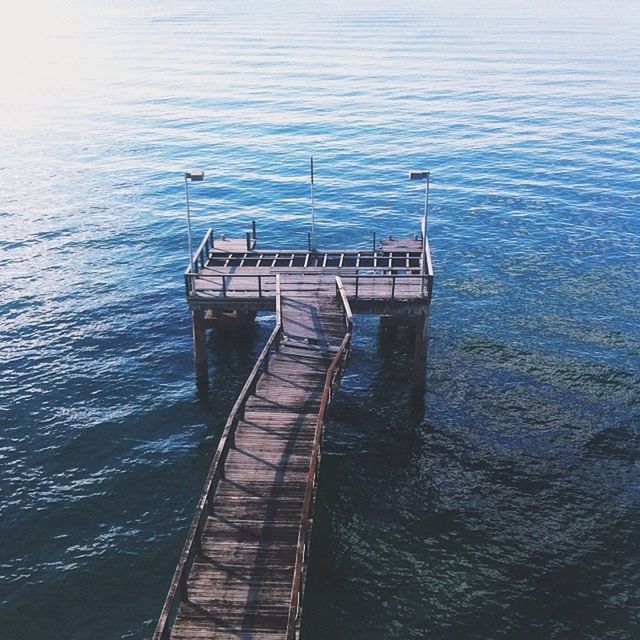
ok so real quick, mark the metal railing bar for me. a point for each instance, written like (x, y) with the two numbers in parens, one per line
(345, 303)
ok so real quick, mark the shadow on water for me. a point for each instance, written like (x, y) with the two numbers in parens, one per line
(441, 523)
(231, 348)
(371, 442)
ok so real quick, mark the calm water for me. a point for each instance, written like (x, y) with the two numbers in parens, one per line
(507, 504)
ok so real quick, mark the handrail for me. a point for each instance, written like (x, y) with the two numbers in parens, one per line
(261, 291)
(426, 265)
(348, 272)
(427, 248)
(278, 302)
(198, 258)
(216, 472)
(223, 278)
(200, 252)
(348, 316)
(333, 375)
(391, 279)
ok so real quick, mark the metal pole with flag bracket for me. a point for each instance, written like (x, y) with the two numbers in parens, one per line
(196, 175)
(423, 175)
(312, 244)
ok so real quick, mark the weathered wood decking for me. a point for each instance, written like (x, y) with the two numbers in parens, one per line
(377, 280)
(246, 572)
(241, 573)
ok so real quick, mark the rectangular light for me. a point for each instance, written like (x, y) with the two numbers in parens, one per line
(196, 175)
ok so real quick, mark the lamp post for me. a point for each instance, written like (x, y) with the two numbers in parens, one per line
(423, 175)
(196, 175)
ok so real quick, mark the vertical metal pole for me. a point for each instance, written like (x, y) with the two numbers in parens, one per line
(186, 192)
(313, 213)
(424, 233)
(426, 207)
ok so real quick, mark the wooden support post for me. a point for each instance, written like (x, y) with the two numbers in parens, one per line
(419, 355)
(388, 324)
(200, 347)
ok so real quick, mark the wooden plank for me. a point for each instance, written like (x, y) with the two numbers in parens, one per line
(240, 582)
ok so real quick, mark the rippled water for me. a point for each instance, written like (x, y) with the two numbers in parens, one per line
(506, 504)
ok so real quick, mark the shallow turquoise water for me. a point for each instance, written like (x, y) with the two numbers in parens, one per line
(504, 506)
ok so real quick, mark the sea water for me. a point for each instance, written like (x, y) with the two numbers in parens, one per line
(505, 502)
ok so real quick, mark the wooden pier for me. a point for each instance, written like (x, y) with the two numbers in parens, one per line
(242, 570)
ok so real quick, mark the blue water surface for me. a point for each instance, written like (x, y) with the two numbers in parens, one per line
(506, 504)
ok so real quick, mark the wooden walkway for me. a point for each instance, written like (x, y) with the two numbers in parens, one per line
(241, 574)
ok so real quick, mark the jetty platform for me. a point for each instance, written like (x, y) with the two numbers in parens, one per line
(241, 574)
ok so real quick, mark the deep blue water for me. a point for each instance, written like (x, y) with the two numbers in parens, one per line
(506, 504)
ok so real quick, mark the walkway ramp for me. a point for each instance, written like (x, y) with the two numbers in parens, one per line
(241, 573)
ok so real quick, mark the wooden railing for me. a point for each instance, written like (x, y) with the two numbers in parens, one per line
(192, 546)
(201, 255)
(341, 294)
(261, 285)
(199, 259)
(334, 373)
(396, 286)
(401, 286)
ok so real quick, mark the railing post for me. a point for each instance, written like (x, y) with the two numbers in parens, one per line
(248, 241)
(259, 285)
(279, 304)
(357, 279)
(309, 241)
(253, 227)
(393, 287)
(224, 287)
(374, 242)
